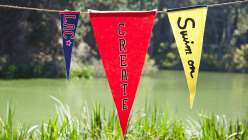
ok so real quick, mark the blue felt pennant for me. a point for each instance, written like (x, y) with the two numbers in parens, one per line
(69, 22)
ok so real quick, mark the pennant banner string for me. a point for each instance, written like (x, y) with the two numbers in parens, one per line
(86, 12)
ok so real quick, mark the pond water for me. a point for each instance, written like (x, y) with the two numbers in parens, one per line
(221, 93)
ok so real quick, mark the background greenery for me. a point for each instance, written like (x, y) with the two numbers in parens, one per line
(30, 44)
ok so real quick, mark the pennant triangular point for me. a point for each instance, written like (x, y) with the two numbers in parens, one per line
(122, 43)
(191, 99)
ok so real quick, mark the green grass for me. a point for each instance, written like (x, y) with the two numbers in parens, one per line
(101, 125)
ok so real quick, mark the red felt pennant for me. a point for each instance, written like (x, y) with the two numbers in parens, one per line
(123, 39)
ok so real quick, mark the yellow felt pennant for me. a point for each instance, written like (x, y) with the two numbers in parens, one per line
(188, 27)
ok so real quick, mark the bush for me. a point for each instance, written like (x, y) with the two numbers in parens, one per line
(85, 71)
(240, 58)
(167, 57)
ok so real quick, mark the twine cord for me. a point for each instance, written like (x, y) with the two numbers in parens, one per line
(85, 12)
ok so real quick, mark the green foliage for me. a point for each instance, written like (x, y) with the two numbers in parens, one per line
(240, 58)
(167, 56)
(11, 71)
(99, 124)
(217, 127)
(85, 71)
(149, 66)
(38, 70)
